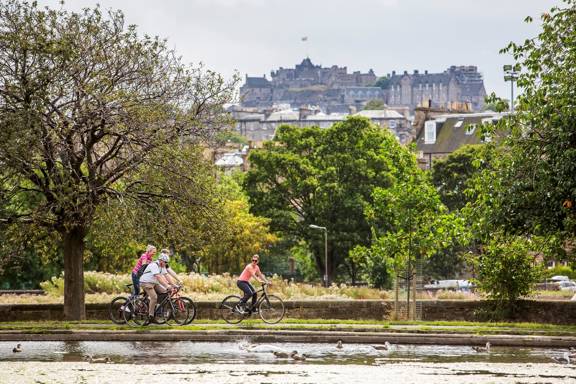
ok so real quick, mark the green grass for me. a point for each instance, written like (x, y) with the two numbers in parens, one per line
(448, 327)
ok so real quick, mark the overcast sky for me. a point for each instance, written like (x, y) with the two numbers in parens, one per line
(256, 36)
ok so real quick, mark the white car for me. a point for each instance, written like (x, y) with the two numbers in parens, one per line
(559, 278)
(567, 286)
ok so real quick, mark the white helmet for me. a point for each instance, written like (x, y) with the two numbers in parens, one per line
(164, 257)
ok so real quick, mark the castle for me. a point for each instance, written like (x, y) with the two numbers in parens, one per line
(333, 89)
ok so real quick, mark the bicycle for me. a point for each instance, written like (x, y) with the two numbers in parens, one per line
(172, 307)
(270, 308)
(120, 304)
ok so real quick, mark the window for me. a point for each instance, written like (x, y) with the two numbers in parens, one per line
(470, 128)
(430, 132)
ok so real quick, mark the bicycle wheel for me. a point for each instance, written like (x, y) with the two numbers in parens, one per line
(116, 309)
(191, 309)
(176, 311)
(272, 309)
(228, 310)
(139, 311)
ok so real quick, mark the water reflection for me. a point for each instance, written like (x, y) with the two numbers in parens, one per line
(243, 362)
(242, 351)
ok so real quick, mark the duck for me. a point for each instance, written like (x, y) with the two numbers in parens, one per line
(284, 355)
(564, 359)
(339, 344)
(483, 349)
(294, 355)
(93, 359)
(17, 348)
(386, 347)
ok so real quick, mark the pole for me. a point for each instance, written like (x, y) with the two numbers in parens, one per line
(512, 95)
(326, 256)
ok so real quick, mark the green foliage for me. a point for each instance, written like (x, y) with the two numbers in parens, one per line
(383, 82)
(539, 187)
(495, 103)
(451, 175)
(325, 177)
(230, 136)
(507, 270)
(375, 104)
(560, 271)
(410, 222)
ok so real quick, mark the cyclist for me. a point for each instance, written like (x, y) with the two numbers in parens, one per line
(251, 270)
(144, 259)
(155, 279)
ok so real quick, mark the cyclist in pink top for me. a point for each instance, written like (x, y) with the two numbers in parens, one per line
(145, 258)
(251, 270)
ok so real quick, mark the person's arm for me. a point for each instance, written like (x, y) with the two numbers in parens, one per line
(163, 281)
(260, 276)
(174, 276)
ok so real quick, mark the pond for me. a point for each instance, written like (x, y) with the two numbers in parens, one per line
(243, 362)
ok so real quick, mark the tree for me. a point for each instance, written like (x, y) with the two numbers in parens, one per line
(451, 175)
(410, 223)
(383, 82)
(375, 104)
(325, 177)
(539, 187)
(495, 103)
(85, 101)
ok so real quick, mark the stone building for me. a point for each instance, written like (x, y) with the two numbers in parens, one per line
(331, 88)
(259, 126)
(462, 84)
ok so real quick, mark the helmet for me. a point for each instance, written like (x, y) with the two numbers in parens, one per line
(164, 257)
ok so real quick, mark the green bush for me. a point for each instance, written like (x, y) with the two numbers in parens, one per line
(560, 270)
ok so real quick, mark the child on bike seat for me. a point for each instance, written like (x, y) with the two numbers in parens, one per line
(251, 270)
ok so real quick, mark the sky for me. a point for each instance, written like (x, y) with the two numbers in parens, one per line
(255, 37)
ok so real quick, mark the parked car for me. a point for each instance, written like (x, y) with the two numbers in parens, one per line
(452, 285)
(567, 286)
(559, 278)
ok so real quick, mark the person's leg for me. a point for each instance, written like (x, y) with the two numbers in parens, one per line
(135, 284)
(254, 294)
(161, 291)
(149, 288)
(245, 287)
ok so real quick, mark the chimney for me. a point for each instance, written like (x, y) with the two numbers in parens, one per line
(415, 71)
(426, 72)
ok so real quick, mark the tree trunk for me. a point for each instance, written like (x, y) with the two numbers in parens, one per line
(74, 274)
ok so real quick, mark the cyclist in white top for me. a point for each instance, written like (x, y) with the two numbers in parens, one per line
(156, 279)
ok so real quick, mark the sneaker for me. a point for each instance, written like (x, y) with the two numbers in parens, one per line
(238, 309)
(125, 308)
(149, 320)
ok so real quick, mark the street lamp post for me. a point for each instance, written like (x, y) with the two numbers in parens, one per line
(511, 73)
(325, 251)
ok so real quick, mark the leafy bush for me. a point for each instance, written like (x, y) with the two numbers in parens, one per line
(507, 271)
(560, 270)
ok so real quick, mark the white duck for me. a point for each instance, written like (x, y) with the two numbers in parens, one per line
(483, 349)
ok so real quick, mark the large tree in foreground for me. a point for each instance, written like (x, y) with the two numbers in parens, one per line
(84, 101)
(539, 183)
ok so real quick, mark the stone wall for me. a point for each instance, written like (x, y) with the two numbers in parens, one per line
(553, 312)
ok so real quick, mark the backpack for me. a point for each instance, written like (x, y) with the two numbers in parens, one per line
(141, 270)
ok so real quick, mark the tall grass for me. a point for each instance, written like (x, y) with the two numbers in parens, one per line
(214, 287)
